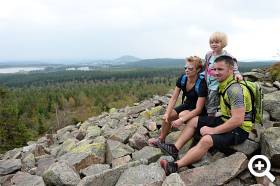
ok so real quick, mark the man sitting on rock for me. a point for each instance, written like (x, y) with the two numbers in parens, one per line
(232, 127)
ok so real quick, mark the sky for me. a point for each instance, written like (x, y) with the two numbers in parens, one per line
(108, 29)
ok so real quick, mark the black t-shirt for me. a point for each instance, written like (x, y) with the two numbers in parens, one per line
(191, 96)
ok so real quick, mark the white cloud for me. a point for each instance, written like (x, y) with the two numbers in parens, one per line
(256, 37)
(29, 12)
(44, 29)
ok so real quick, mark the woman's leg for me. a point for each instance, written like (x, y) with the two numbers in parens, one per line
(166, 126)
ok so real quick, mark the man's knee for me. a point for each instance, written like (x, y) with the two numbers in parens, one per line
(206, 141)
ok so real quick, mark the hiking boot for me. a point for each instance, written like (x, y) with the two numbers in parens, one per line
(169, 149)
(154, 142)
(168, 167)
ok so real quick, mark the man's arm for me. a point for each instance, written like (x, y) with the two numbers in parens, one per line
(235, 121)
(237, 112)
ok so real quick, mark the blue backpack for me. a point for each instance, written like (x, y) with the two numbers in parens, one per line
(196, 86)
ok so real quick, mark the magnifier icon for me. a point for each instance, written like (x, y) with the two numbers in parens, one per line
(259, 165)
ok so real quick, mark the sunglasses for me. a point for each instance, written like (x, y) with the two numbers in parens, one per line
(188, 68)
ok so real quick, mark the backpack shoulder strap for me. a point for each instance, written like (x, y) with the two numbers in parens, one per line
(184, 79)
(224, 92)
(208, 56)
(252, 100)
(197, 83)
(207, 60)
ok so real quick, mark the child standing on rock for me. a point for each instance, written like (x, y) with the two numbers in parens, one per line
(217, 41)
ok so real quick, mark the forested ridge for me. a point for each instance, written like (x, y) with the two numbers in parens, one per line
(38, 103)
(42, 79)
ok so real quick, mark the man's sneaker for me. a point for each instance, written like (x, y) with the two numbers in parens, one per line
(168, 167)
(169, 149)
(154, 142)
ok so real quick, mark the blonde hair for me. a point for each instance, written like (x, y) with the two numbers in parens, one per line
(219, 36)
(196, 60)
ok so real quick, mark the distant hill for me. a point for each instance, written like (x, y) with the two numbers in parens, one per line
(157, 63)
(126, 59)
(75, 62)
(248, 66)
(179, 63)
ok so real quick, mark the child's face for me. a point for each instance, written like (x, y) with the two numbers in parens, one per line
(216, 46)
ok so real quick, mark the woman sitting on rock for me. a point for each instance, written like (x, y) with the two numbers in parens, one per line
(194, 90)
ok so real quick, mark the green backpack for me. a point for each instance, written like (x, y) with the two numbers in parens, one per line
(256, 98)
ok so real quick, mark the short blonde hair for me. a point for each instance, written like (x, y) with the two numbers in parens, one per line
(219, 36)
(197, 61)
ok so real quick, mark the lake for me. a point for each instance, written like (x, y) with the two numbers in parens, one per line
(19, 69)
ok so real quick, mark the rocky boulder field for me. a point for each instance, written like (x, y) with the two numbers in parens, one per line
(112, 149)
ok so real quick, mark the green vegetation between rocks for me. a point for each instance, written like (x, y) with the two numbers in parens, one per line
(275, 71)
